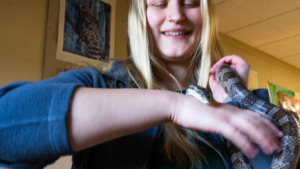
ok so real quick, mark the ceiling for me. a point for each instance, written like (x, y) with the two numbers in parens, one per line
(271, 26)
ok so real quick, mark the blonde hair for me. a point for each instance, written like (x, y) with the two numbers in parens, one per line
(179, 142)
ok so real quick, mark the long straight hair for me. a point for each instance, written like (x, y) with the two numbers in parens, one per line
(147, 70)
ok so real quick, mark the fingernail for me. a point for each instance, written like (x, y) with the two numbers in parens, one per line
(280, 133)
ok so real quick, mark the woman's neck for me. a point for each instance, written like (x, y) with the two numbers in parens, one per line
(179, 72)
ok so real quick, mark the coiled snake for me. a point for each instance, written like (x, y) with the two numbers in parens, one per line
(286, 121)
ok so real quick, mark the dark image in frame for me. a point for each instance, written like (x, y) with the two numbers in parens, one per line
(86, 30)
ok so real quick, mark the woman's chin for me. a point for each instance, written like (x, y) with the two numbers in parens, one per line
(173, 58)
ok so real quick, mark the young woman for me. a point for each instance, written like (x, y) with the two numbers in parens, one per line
(132, 116)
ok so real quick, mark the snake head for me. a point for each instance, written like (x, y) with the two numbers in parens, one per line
(199, 93)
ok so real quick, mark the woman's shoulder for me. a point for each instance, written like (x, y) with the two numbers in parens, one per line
(122, 70)
(111, 69)
(117, 70)
(108, 73)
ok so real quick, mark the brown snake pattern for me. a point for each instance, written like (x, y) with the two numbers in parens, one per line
(286, 121)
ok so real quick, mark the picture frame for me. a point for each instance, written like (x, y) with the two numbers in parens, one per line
(78, 38)
(282, 97)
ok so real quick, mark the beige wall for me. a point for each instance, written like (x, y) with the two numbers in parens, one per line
(267, 67)
(121, 29)
(23, 40)
(22, 37)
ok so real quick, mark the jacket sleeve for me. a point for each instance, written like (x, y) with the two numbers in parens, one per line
(33, 115)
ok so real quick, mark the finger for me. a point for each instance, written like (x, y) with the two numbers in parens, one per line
(259, 133)
(212, 81)
(270, 125)
(240, 141)
(238, 65)
(218, 92)
(279, 149)
(231, 60)
(226, 59)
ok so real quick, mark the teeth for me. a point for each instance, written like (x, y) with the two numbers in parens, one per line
(175, 33)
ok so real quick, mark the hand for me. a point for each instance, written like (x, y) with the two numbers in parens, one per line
(238, 65)
(244, 128)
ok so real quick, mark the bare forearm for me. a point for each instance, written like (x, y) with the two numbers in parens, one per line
(100, 115)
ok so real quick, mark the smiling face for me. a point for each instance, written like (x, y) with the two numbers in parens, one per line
(175, 28)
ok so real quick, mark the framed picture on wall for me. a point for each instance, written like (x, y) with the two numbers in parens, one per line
(281, 97)
(86, 31)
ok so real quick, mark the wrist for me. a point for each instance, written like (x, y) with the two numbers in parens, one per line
(173, 101)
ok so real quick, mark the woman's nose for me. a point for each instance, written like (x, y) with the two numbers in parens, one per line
(176, 13)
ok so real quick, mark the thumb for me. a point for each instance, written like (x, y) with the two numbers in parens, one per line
(212, 82)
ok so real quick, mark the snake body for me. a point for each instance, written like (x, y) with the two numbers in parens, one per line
(286, 121)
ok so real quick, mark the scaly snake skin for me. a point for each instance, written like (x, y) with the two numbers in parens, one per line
(286, 121)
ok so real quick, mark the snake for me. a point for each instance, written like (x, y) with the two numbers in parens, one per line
(286, 121)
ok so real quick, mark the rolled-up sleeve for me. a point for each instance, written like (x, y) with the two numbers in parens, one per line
(33, 115)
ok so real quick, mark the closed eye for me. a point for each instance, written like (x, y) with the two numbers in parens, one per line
(190, 5)
(157, 3)
(161, 5)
